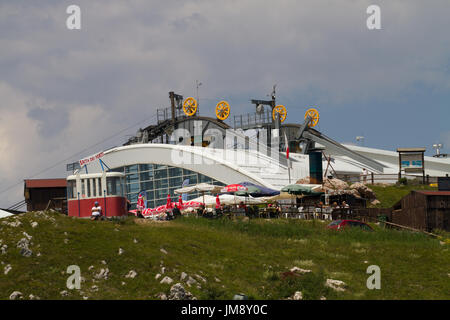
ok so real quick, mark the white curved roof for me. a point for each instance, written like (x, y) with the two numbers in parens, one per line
(227, 166)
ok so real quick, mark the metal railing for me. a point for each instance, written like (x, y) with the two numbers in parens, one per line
(251, 120)
(374, 178)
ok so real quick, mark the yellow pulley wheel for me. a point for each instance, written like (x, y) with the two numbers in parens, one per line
(314, 114)
(222, 110)
(190, 106)
(282, 113)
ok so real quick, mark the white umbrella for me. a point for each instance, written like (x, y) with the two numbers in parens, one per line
(201, 187)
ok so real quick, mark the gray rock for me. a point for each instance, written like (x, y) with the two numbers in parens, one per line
(200, 278)
(27, 236)
(135, 241)
(158, 276)
(131, 274)
(7, 269)
(26, 252)
(4, 248)
(103, 274)
(166, 280)
(33, 297)
(94, 288)
(23, 243)
(299, 270)
(16, 295)
(161, 296)
(163, 251)
(163, 270)
(191, 281)
(34, 224)
(178, 292)
(64, 293)
(183, 276)
(337, 285)
(297, 296)
(121, 251)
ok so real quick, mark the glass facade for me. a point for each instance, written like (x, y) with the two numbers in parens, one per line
(158, 181)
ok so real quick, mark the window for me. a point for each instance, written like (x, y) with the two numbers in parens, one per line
(161, 193)
(83, 188)
(145, 167)
(159, 174)
(132, 178)
(192, 179)
(94, 187)
(131, 169)
(203, 178)
(114, 186)
(175, 182)
(146, 175)
(88, 182)
(163, 183)
(72, 189)
(175, 172)
(147, 185)
(134, 187)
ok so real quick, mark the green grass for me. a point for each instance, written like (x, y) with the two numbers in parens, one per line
(246, 256)
(391, 194)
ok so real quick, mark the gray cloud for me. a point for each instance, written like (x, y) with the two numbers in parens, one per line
(51, 121)
(76, 87)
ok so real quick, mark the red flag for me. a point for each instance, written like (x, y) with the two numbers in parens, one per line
(287, 145)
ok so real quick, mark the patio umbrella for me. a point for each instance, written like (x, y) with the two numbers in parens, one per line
(169, 202)
(233, 188)
(251, 190)
(217, 202)
(180, 202)
(201, 187)
(299, 189)
(258, 191)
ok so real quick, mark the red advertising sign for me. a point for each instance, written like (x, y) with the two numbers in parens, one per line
(88, 160)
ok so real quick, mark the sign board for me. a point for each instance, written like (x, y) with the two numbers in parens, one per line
(412, 160)
(90, 159)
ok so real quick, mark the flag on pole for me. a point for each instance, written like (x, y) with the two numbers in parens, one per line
(287, 145)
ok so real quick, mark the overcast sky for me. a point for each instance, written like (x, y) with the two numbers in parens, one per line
(62, 91)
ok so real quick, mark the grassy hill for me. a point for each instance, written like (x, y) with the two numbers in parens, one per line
(247, 257)
(388, 195)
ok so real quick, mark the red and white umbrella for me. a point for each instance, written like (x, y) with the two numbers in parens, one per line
(169, 204)
(217, 202)
(233, 188)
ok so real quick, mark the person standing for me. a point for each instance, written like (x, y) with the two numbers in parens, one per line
(364, 175)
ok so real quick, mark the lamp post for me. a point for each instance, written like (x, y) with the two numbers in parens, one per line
(198, 84)
(360, 139)
(438, 147)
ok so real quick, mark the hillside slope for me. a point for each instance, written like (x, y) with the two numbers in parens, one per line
(221, 257)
